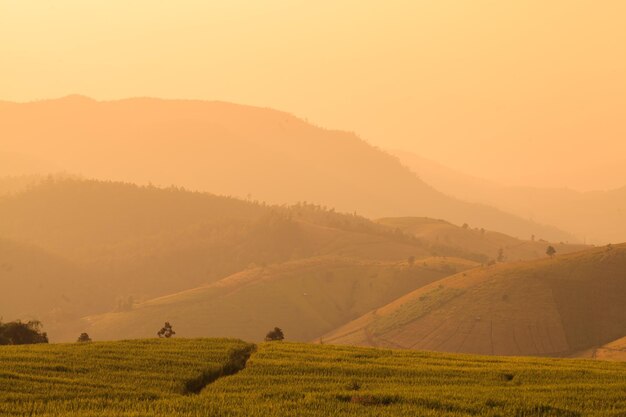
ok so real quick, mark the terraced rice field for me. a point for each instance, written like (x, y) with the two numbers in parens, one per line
(147, 378)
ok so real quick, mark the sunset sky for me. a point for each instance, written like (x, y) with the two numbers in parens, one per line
(523, 92)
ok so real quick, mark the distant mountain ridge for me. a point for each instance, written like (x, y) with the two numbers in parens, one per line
(597, 217)
(236, 150)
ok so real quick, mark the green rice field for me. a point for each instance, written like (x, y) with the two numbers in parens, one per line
(210, 377)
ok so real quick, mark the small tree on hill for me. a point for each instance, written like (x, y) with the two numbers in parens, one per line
(84, 338)
(18, 333)
(500, 257)
(166, 331)
(551, 251)
(273, 335)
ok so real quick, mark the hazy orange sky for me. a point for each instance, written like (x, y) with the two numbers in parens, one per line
(521, 91)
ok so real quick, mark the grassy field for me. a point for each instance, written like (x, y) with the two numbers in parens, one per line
(146, 378)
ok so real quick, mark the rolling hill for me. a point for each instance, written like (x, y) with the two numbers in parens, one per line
(235, 150)
(38, 284)
(306, 298)
(132, 244)
(545, 307)
(612, 351)
(136, 243)
(467, 240)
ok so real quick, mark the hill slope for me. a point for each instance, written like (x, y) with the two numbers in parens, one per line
(145, 237)
(285, 379)
(37, 284)
(491, 245)
(547, 307)
(613, 351)
(306, 298)
(235, 150)
(136, 243)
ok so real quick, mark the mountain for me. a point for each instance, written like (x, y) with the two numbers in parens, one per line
(306, 298)
(490, 246)
(236, 150)
(596, 217)
(544, 307)
(447, 180)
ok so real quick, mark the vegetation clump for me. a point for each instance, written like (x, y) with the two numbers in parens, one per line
(166, 331)
(19, 333)
(353, 385)
(274, 335)
(83, 338)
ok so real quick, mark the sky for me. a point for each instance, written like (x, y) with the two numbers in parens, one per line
(524, 92)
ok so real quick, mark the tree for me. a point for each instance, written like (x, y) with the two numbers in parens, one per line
(500, 257)
(84, 338)
(18, 333)
(166, 331)
(411, 260)
(273, 335)
(551, 251)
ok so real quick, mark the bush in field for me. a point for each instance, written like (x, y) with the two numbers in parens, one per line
(18, 333)
(550, 251)
(84, 338)
(166, 331)
(273, 335)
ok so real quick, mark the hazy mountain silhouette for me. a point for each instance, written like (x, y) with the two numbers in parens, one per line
(595, 217)
(235, 150)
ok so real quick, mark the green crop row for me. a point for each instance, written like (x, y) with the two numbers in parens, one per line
(147, 378)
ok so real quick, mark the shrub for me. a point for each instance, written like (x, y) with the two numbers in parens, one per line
(83, 338)
(274, 335)
(166, 331)
(18, 333)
